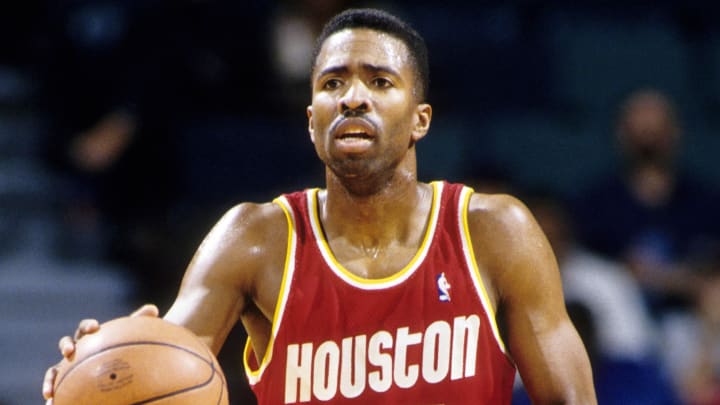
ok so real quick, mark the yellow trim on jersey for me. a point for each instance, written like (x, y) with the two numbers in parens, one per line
(362, 281)
(254, 375)
(475, 270)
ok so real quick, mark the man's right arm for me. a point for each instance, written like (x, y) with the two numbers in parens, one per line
(220, 280)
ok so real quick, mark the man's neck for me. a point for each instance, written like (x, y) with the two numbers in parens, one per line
(388, 214)
(376, 236)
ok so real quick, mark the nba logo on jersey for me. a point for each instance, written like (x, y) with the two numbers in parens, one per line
(443, 288)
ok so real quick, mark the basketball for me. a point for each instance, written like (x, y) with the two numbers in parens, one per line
(140, 360)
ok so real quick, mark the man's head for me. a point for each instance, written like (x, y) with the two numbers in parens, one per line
(366, 113)
(648, 131)
(382, 21)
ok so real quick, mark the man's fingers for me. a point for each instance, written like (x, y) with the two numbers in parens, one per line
(66, 346)
(67, 343)
(48, 382)
(147, 310)
(86, 326)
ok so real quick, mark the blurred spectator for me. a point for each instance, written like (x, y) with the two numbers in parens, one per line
(294, 27)
(128, 83)
(652, 214)
(119, 164)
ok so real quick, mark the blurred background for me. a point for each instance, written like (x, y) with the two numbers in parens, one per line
(127, 127)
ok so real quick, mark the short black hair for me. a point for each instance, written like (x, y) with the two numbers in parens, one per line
(382, 21)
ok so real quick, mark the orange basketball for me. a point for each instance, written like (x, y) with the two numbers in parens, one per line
(140, 360)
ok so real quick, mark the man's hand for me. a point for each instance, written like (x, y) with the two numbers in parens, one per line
(67, 345)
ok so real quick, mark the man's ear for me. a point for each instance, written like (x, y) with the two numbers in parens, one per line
(311, 129)
(423, 116)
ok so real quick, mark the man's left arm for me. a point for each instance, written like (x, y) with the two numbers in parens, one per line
(523, 274)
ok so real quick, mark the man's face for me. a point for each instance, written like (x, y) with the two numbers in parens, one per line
(648, 132)
(364, 116)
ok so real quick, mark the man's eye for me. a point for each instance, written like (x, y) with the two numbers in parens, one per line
(381, 82)
(331, 84)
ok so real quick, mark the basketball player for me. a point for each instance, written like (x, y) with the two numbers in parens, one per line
(379, 288)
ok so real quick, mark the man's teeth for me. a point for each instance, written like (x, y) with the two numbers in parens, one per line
(354, 135)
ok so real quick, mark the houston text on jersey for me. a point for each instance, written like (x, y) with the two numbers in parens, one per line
(377, 362)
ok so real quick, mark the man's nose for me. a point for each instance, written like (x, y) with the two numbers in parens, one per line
(355, 98)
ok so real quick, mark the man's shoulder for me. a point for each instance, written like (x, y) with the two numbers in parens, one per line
(498, 221)
(251, 235)
(496, 206)
(248, 216)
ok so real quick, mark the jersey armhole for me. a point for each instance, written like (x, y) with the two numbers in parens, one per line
(471, 262)
(254, 370)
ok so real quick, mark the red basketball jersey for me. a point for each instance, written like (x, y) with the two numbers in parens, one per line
(426, 335)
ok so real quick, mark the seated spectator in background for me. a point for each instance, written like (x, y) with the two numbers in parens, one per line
(651, 214)
(658, 219)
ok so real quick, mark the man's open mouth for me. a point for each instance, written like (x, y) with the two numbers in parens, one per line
(354, 128)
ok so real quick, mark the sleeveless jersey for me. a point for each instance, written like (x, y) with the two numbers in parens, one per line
(426, 335)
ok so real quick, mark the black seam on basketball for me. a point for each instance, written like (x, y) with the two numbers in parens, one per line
(222, 378)
(187, 389)
(220, 374)
(172, 394)
(223, 388)
(139, 342)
